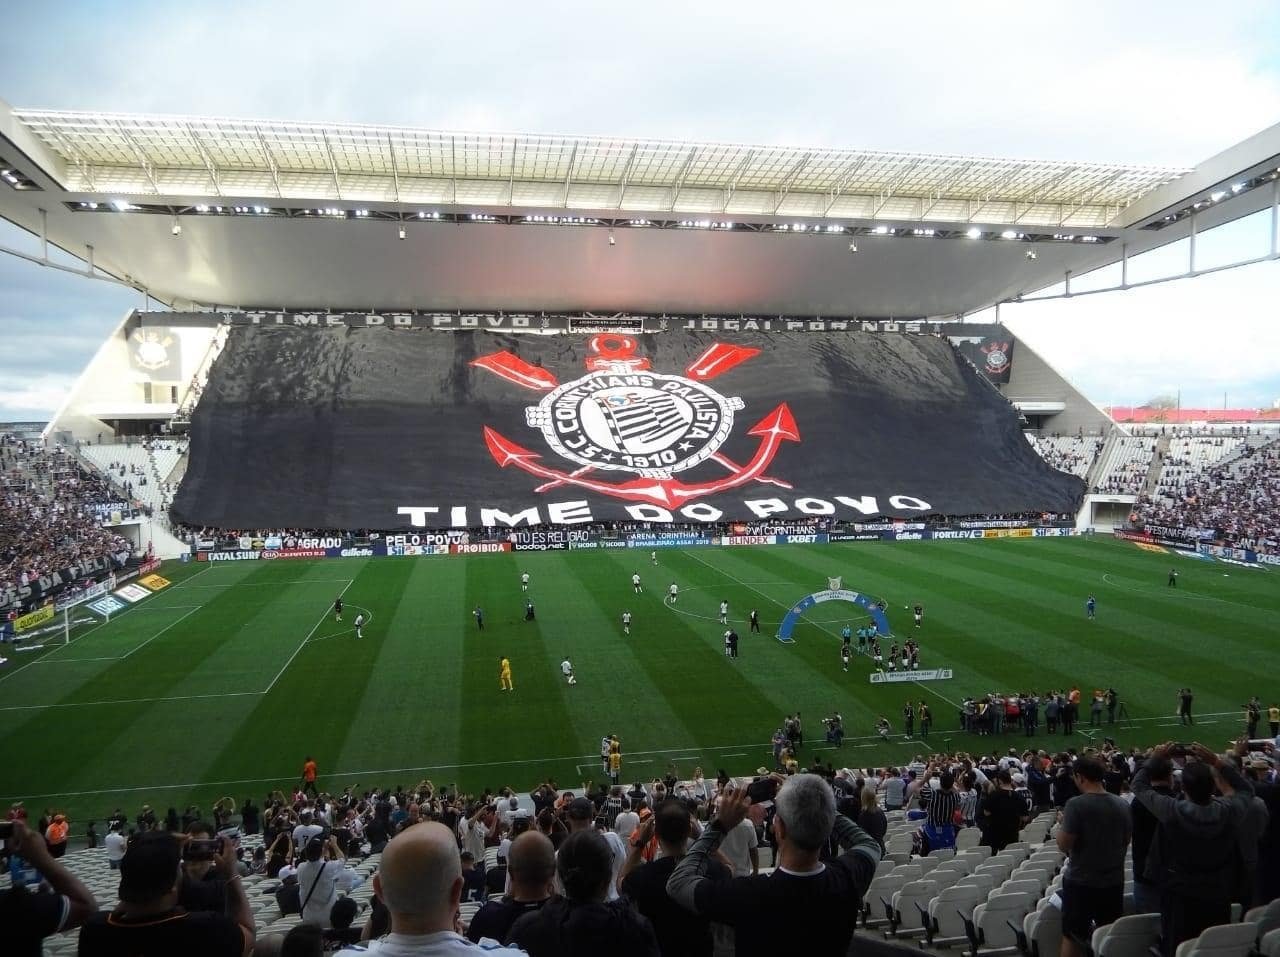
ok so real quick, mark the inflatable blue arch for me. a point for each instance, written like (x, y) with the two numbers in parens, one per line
(866, 602)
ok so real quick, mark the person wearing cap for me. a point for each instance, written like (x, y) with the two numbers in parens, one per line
(820, 900)
(28, 916)
(148, 921)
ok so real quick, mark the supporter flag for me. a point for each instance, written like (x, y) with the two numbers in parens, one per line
(390, 429)
(156, 351)
(991, 355)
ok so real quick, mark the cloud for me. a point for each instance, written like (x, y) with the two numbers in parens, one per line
(1088, 80)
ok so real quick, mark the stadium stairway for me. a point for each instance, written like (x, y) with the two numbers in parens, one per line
(1156, 468)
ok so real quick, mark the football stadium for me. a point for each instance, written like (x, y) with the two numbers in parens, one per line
(453, 477)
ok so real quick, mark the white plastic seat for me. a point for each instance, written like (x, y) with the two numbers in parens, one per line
(984, 882)
(907, 908)
(1225, 940)
(949, 913)
(880, 894)
(967, 837)
(943, 853)
(1270, 946)
(1129, 936)
(997, 923)
(1042, 929)
(1033, 889)
(999, 870)
(1266, 917)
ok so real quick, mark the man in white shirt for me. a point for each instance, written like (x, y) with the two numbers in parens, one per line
(673, 593)
(319, 880)
(359, 626)
(115, 843)
(741, 847)
(635, 583)
(724, 613)
(566, 669)
(524, 581)
(626, 622)
(305, 830)
(420, 880)
(472, 831)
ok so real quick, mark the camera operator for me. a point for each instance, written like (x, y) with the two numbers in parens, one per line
(29, 914)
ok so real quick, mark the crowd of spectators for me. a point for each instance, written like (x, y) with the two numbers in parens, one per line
(1067, 453)
(665, 868)
(51, 513)
(1238, 503)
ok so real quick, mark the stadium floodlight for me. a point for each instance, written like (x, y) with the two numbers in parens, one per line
(402, 231)
(1217, 195)
(881, 230)
(1237, 187)
(1009, 234)
(974, 232)
(93, 205)
(202, 209)
(121, 206)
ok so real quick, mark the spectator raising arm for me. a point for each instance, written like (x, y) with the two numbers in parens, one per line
(30, 917)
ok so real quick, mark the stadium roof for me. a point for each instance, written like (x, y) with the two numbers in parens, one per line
(167, 155)
(254, 213)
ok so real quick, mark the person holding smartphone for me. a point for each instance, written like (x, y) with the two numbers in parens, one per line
(28, 913)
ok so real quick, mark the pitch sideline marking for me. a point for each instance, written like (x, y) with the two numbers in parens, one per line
(349, 631)
(480, 764)
(922, 685)
(96, 627)
(1174, 593)
(350, 582)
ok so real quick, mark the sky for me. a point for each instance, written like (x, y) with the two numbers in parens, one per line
(1139, 82)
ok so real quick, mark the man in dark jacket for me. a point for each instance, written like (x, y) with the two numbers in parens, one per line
(1195, 855)
(1146, 892)
(803, 896)
(680, 933)
(583, 921)
(531, 863)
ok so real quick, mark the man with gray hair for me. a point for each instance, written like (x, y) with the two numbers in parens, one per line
(420, 881)
(821, 900)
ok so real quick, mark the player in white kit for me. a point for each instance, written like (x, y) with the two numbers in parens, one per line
(724, 613)
(524, 582)
(566, 669)
(635, 583)
(653, 557)
(673, 593)
(626, 622)
(359, 625)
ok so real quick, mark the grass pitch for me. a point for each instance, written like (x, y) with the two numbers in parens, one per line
(222, 683)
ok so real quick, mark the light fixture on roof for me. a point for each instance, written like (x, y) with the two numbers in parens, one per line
(93, 205)
(402, 230)
(121, 206)
(1009, 234)
(853, 246)
(974, 232)
(176, 228)
(1237, 187)
(202, 209)
(881, 230)
(612, 241)
(1217, 195)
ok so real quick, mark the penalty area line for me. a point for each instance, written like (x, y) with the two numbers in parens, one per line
(303, 644)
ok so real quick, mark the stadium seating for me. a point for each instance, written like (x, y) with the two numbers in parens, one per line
(1068, 453)
(1227, 940)
(1130, 936)
(141, 470)
(1126, 459)
(1270, 946)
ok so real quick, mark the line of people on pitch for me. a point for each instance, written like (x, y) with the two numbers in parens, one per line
(997, 713)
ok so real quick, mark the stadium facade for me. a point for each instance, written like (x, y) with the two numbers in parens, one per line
(232, 225)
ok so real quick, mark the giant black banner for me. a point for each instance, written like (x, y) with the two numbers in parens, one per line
(384, 428)
(993, 355)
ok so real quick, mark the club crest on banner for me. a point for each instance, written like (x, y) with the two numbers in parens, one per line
(151, 349)
(623, 417)
(997, 354)
(834, 584)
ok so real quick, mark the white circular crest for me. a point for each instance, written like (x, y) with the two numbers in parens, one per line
(646, 422)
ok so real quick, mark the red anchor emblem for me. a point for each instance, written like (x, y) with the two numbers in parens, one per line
(622, 416)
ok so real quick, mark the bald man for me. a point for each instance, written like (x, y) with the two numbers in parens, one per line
(420, 881)
(531, 864)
